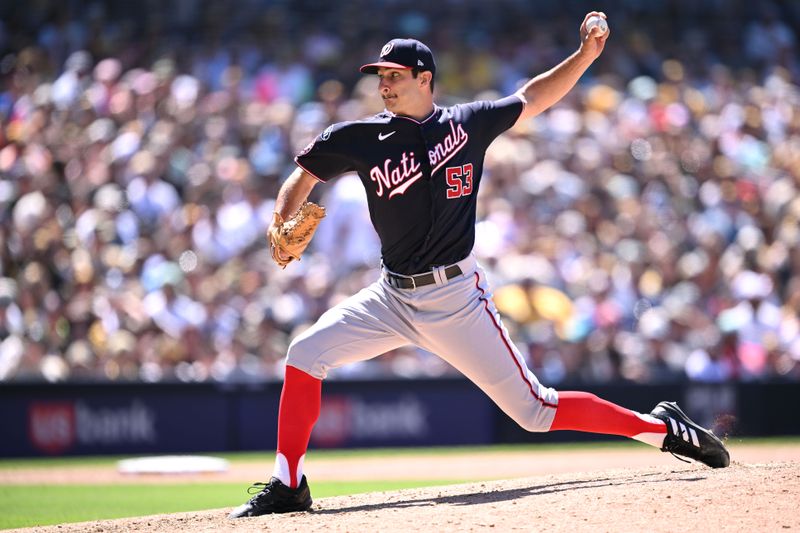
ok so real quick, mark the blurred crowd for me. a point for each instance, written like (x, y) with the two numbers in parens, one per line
(647, 228)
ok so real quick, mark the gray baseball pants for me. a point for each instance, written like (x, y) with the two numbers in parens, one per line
(454, 319)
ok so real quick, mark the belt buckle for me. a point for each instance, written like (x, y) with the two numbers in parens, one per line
(413, 283)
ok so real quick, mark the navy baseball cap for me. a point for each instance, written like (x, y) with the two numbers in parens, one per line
(403, 53)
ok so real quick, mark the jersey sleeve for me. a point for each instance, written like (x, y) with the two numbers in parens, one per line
(327, 155)
(493, 117)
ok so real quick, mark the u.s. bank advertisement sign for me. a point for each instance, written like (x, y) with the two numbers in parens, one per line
(57, 427)
(105, 420)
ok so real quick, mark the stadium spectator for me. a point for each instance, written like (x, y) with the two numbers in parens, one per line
(645, 229)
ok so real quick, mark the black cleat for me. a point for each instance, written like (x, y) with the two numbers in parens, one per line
(275, 497)
(687, 439)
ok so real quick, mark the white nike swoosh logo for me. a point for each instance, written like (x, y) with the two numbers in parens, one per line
(382, 137)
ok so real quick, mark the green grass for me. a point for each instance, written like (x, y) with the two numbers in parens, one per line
(22, 505)
(268, 456)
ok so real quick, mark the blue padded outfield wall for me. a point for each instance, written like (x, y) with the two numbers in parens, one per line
(52, 420)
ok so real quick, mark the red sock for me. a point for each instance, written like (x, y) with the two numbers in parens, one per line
(582, 411)
(298, 412)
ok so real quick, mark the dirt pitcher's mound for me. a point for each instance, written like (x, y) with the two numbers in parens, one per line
(744, 497)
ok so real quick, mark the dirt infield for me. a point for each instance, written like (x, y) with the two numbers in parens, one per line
(744, 497)
(492, 465)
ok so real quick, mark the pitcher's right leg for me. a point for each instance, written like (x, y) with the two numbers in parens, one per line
(583, 411)
(479, 346)
(473, 339)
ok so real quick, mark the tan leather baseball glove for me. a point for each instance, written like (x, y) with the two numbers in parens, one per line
(289, 239)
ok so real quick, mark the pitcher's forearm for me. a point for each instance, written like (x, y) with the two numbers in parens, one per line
(549, 87)
(294, 192)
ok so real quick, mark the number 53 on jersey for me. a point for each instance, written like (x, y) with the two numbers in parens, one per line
(459, 181)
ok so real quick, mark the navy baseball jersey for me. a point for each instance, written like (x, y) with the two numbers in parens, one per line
(421, 177)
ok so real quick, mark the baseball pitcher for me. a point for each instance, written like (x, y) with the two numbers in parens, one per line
(421, 165)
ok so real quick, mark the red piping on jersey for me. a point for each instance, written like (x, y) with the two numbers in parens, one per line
(508, 346)
(308, 171)
(435, 107)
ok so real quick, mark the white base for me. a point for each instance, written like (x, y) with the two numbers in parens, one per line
(172, 464)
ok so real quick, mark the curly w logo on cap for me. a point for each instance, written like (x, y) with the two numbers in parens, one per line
(405, 54)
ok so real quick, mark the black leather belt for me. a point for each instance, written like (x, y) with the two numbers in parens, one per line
(419, 280)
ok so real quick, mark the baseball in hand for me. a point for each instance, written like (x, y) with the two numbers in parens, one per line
(597, 20)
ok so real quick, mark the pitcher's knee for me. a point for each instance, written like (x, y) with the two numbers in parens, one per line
(538, 420)
(533, 426)
(304, 356)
